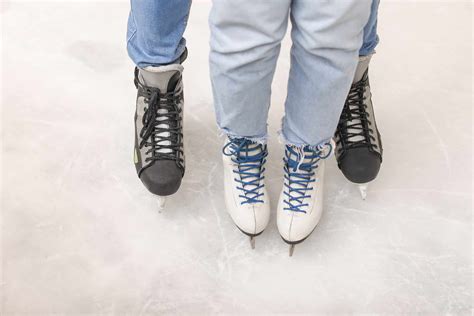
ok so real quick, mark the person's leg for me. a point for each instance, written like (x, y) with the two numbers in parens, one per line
(156, 45)
(327, 36)
(245, 43)
(371, 38)
(155, 31)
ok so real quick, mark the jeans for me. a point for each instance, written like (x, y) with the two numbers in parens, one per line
(156, 27)
(371, 38)
(245, 43)
(155, 37)
(155, 31)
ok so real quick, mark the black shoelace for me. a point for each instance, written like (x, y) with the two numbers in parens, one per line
(165, 142)
(355, 128)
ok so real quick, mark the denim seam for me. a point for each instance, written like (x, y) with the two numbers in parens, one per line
(135, 23)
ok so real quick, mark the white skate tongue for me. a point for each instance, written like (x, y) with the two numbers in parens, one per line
(356, 122)
(162, 135)
(159, 77)
(253, 149)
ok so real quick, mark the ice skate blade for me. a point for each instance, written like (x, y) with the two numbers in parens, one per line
(161, 203)
(252, 242)
(363, 190)
(292, 244)
(292, 249)
(251, 236)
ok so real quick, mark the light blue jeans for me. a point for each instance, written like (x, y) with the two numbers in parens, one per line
(245, 43)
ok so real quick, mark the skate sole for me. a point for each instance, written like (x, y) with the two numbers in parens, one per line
(294, 242)
(248, 234)
(298, 241)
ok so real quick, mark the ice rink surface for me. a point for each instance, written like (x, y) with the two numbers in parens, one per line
(80, 235)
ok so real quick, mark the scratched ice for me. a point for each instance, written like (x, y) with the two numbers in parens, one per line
(81, 235)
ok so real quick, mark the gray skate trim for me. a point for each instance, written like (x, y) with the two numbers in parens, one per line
(159, 77)
(139, 125)
(371, 118)
(362, 67)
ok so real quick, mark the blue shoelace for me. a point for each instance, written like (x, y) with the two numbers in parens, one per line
(300, 166)
(250, 159)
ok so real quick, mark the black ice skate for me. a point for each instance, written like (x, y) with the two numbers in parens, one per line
(358, 143)
(159, 153)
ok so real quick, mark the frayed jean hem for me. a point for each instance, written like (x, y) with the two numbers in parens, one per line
(254, 139)
(325, 145)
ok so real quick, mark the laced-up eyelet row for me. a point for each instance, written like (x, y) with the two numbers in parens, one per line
(249, 169)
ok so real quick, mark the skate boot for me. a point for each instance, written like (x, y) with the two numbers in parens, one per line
(301, 200)
(159, 154)
(246, 197)
(358, 143)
